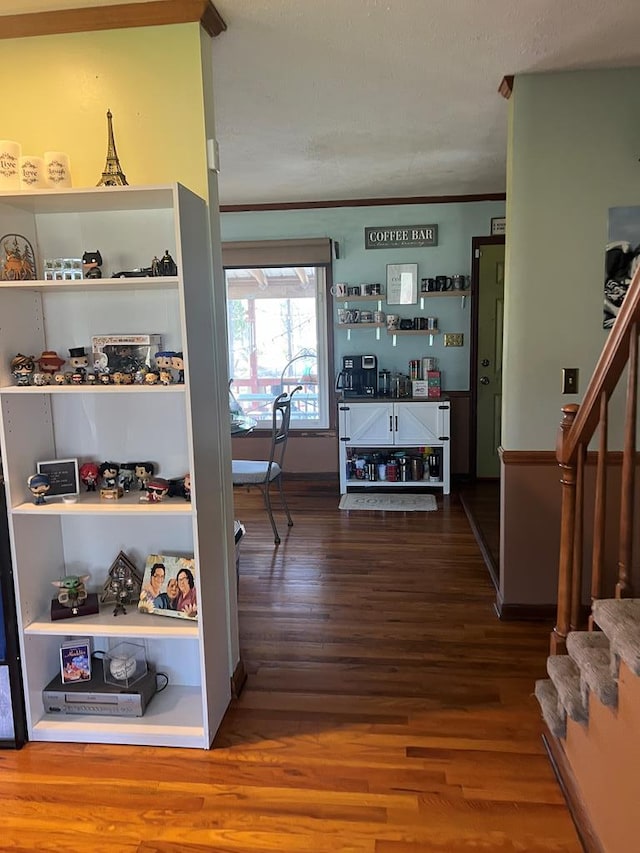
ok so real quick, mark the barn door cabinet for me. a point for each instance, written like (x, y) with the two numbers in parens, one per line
(175, 426)
(367, 427)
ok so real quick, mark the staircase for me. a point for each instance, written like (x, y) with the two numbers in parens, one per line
(591, 700)
(591, 706)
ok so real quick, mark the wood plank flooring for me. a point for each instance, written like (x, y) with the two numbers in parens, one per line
(386, 711)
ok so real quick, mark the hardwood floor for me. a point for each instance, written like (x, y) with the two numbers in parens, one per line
(481, 502)
(386, 711)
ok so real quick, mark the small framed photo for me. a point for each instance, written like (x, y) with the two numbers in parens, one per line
(498, 226)
(75, 661)
(63, 476)
(169, 587)
(402, 284)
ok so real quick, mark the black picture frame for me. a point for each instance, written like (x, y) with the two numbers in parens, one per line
(63, 476)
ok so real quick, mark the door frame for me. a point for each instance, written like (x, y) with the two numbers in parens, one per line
(476, 243)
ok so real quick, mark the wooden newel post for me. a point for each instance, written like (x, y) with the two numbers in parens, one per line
(567, 529)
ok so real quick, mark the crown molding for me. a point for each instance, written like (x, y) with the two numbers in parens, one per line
(124, 16)
(362, 202)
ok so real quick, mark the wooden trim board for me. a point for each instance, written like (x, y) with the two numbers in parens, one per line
(123, 16)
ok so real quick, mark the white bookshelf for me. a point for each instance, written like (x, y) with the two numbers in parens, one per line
(175, 426)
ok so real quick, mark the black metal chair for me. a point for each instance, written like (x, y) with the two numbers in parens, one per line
(264, 472)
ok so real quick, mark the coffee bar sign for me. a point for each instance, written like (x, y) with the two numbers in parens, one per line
(401, 236)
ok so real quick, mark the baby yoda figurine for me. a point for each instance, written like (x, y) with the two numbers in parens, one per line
(71, 590)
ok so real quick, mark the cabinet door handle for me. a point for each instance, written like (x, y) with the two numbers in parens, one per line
(390, 423)
(396, 423)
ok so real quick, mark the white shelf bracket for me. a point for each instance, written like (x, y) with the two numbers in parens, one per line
(464, 300)
(394, 340)
(378, 333)
(422, 303)
(348, 334)
(430, 340)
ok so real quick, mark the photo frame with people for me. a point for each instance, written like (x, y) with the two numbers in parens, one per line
(169, 587)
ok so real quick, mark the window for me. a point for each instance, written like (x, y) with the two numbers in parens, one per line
(277, 322)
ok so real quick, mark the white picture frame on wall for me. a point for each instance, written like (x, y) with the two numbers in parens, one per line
(402, 284)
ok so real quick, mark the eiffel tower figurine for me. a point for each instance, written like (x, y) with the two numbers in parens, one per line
(113, 176)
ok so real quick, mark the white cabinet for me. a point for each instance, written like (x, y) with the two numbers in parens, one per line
(179, 427)
(383, 428)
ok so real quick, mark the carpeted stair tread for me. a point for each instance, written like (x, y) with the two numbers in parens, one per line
(620, 621)
(552, 712)
(590, 652)
(566, 679)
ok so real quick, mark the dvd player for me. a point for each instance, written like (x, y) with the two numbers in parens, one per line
(98, 697)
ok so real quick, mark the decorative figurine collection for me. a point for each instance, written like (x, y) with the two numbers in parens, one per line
(115, 479)
(123, 364)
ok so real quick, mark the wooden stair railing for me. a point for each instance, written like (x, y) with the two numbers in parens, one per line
(578, 426)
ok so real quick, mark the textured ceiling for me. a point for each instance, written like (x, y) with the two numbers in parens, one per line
(350, 99)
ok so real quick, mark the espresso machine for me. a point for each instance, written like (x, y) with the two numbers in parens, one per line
(359, 376)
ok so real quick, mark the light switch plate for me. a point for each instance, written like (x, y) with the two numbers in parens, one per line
(453, 339)
(569, 380)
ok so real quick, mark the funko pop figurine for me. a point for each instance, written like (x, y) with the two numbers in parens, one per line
(50, 362)
(105, 378)
(164, 359)
(109, 473)
(59, 378)
(186, 488)
(157, 488)
(89, 473)
(41, 378)
(22, 368)
(79, 361)
(39, 485)
(166, 377)
(91, 263)
(127, 476)
(143, 471)
(177, 363)
(151, 379)
(110, 488)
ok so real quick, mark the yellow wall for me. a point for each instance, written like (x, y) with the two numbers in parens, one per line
(57, 90)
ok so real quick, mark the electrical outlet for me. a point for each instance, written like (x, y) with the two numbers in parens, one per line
(453, 339)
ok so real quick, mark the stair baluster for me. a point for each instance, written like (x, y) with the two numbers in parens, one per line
(623, 586)
(600, 506)
(567, 529)
(578, 544)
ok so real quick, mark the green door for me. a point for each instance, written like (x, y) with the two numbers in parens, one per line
(489, 366)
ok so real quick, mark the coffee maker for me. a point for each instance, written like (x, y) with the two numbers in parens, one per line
(359, 376)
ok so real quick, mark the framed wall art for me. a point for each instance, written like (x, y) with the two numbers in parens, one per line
(402, 284)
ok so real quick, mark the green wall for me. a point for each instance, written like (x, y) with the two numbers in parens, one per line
(573, 153)
(458, 223)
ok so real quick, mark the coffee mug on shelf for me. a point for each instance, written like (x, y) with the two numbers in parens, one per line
(372, 289)
(459, 282)
(443, 282)
(392, 321)
(354, 290)
(339, 290)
